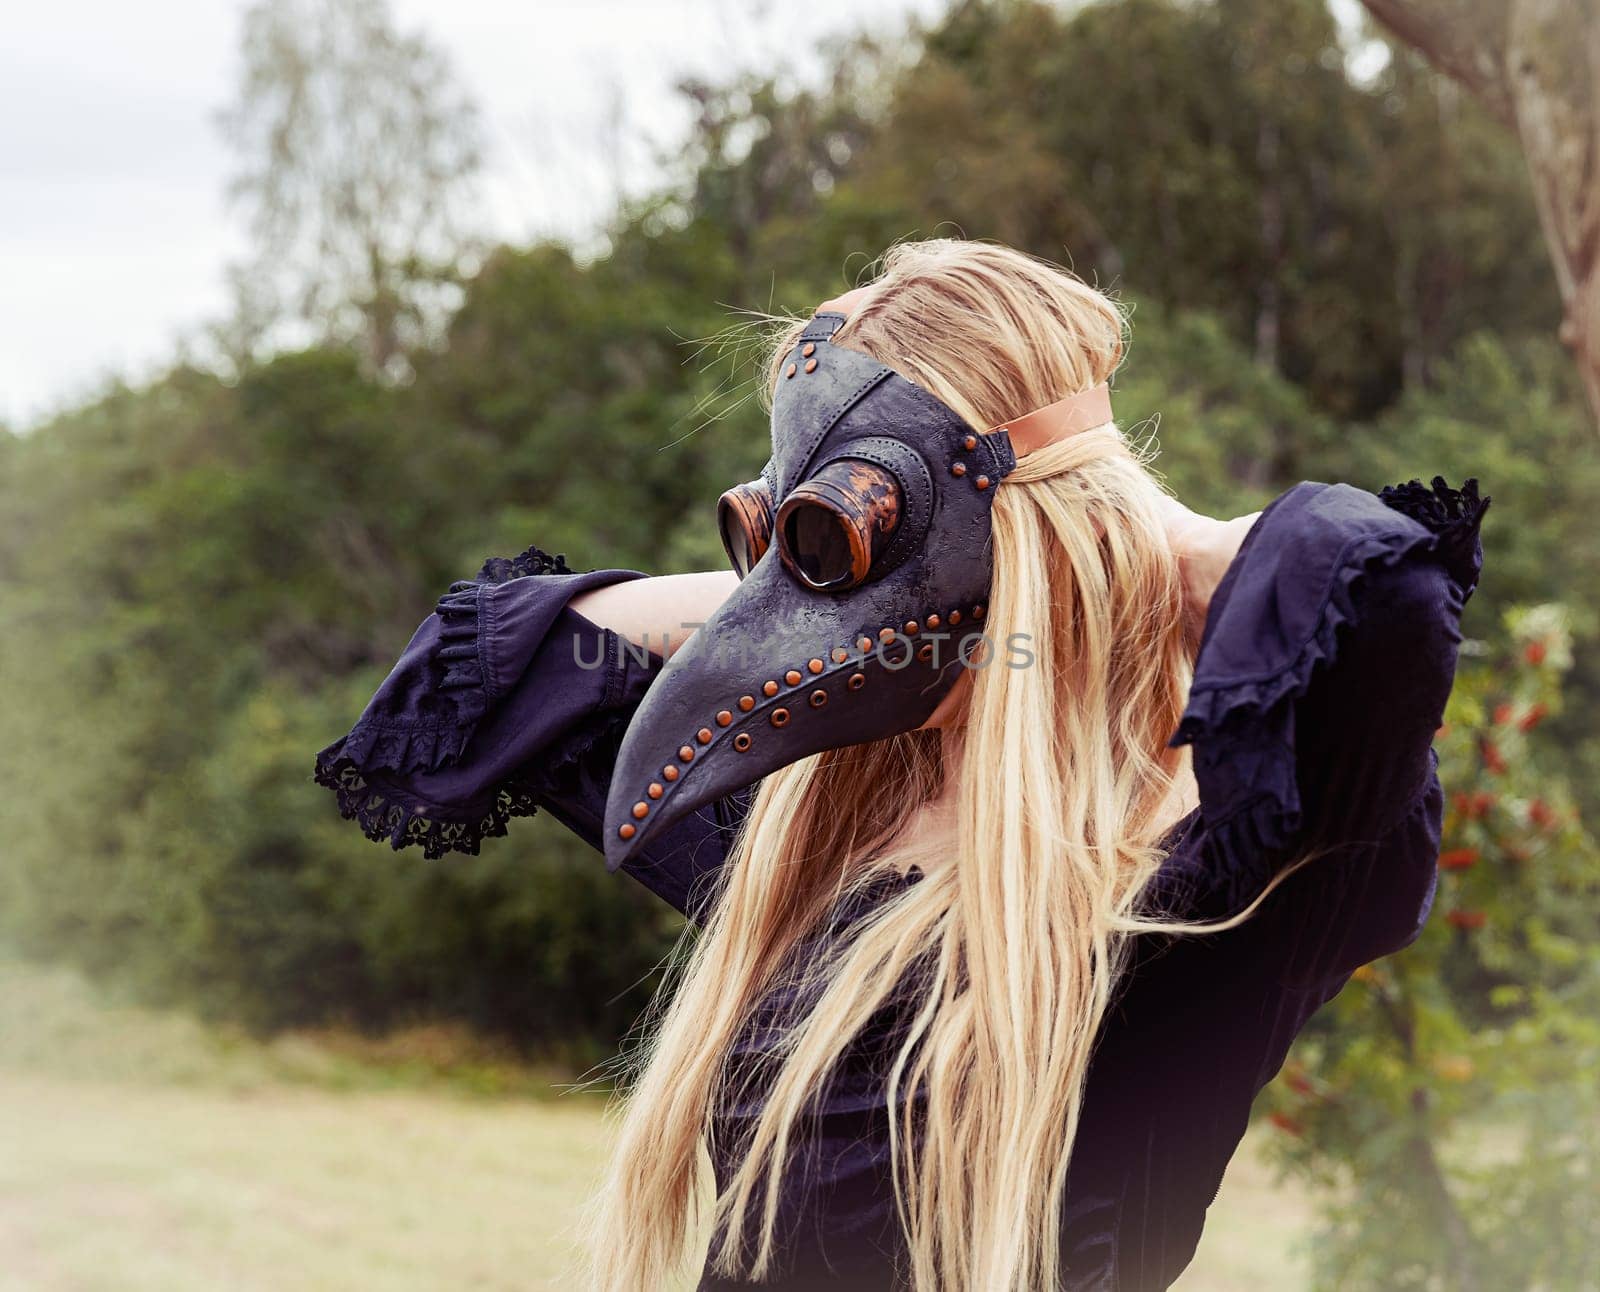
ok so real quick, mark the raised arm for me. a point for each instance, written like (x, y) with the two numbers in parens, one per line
(1328, 654)
(656, 612)
(513, 696)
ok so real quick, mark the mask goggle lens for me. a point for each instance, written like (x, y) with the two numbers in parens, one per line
(830, 530)
(833, 528)
(744, 517)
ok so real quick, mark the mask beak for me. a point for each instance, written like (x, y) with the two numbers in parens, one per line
(776, 674)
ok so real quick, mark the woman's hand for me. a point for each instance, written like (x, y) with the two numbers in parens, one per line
(1205, 548)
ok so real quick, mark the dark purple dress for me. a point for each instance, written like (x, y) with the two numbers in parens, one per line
(1329, 651)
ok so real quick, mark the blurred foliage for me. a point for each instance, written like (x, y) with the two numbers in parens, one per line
(1448, 1095)
(202, 580)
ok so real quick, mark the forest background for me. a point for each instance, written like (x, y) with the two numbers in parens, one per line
(1338, 269)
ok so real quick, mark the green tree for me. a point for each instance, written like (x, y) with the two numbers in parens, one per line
(201, 581)
(357, 150)
(1446, 1102)
(1533, 64)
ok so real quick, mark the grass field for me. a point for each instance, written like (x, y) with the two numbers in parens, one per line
(140, 1151)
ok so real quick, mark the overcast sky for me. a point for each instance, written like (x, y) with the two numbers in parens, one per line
(113, 226)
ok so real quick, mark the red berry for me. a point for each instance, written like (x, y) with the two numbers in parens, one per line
(1492, 760)
(1458, 859)
(1467, 919)
(1534, 653)
(1534, 716)
(1287, 1124)
(1541, 814)
(1482, 801)
(1502, 713)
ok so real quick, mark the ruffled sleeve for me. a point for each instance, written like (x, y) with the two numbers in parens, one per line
(505, 701)
(1328, 654)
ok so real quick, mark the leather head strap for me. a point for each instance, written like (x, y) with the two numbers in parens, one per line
(1081, 412)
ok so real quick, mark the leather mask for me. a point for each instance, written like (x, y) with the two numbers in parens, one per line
(865, 562)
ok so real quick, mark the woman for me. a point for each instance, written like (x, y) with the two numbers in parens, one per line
(987, 972)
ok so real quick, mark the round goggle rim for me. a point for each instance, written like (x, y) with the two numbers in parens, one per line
(836, 496)
(860, 559)
(748, 507)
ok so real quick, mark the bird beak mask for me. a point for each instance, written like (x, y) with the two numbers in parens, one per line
(865, 562)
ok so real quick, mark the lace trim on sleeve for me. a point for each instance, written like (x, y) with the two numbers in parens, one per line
(1453, 515)
(460, 691)
(390, 815)
(352, 767)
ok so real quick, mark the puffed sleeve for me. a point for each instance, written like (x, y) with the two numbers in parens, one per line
(506, 701)
(1328, 655)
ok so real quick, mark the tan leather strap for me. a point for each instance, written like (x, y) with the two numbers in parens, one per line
(1081, 412)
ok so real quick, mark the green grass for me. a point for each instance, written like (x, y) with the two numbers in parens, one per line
(54, 1023)
(127, 1188)
(143, 1151)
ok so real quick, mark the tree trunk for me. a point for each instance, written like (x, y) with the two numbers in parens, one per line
(1462, 1253)
(1462, 1249)
(1536, 65)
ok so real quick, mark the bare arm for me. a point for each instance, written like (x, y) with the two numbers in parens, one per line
(645, 610)
(1205, 548)
(648, 611)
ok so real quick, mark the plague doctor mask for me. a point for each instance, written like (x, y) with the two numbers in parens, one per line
(864, 560)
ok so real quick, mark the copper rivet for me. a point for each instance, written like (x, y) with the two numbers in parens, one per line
(703, 735)
(886, 635)
(790, 370)
(815, 665)
(811, 365)
(934, 621)
(819, 698)
(741, 742)
(746, 703)
(863, 644)
(792, 677)
(769, 688)
(656, 789)
(857, 681)
(810, 349)
(969, 442)
(686, 754)
(669, 773)
(982, 482)
(641, 809)
(724, 717)
(977, 612)
(911, 627)
(780, 717)
(955, 618)
(840, 654)
(958, 468)
(627, 830)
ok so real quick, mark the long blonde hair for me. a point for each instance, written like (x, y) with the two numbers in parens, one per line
(1011, 949)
